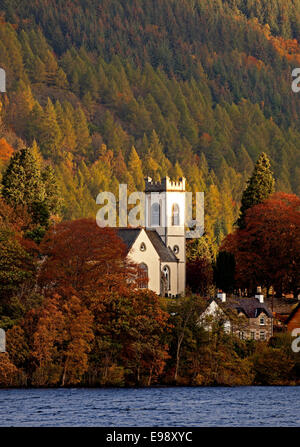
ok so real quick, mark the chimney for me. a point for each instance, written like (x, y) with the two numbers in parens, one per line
(259, 295)
(222, 296)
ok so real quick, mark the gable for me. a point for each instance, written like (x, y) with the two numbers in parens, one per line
(295, 314)
(164, 252)
(128, 235)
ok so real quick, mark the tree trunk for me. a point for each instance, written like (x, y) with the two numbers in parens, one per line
(150, 376)
(64, 374)
(178, 357)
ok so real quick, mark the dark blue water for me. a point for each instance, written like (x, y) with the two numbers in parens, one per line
(244, 406)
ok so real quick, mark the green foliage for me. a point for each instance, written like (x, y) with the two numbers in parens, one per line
(27, 185)
(191, 99)
(259, 187)
(22, 183)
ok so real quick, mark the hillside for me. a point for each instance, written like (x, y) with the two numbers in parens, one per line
(114, 90)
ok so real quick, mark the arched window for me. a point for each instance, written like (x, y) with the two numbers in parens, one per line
(143, 276)
(155, 215)
(175, 214)
(166, 272)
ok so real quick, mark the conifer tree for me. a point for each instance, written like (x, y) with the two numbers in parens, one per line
(22, 183)
(51, 134)
(82, 132)
(135, 169)
(259, 187)
(53, 199)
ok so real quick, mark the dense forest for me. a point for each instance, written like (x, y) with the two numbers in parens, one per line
(103, 92)
(112, 91)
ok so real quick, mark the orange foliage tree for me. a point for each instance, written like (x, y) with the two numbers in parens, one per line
(84, 257)
(6, 150)
(60, 335)
(267, 250)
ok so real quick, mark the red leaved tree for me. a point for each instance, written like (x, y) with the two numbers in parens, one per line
(81, 256)
(267, 251)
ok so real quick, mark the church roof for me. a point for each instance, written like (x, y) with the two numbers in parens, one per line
(129, 236)
(164, 252)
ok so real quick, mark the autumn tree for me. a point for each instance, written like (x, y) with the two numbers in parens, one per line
(267, 250)
(61, 341)
(184, 316)
(199, 270)
(80, 255)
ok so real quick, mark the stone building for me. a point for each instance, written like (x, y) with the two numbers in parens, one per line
(293, 320)
(159, 247)
(249, 318)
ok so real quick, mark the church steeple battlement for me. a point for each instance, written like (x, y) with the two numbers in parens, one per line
(165, 185)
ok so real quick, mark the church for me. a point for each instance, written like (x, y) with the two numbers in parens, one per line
(159, 247)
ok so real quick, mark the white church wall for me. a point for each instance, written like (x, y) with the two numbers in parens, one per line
(148, 257)
(173, 266)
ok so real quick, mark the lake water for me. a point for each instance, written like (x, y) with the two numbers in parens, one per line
(194, 407)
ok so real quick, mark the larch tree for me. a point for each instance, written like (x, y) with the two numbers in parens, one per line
(135, 169)
(267, 250)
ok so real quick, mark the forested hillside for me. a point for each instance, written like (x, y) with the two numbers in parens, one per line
(109, 91)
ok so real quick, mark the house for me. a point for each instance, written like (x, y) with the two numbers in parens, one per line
(281, 307)
(249, 318)
(293, 320)
(159, 247)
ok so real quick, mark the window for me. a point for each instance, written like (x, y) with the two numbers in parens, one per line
(252, 335)
(143, 246)
(242, 335)
(166, 272)
(175, 215)
(176, 249)
(262, 321)
(143, 276)
(155, 215)
(262, 335)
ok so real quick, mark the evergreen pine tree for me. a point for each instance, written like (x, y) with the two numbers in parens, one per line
(22, 184)
(259, 187)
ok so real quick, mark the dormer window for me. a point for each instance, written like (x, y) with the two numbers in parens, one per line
(175, 215)
(262, 321)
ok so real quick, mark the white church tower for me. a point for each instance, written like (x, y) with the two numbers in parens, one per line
(165, 213)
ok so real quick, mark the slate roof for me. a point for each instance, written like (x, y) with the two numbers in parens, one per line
(281, 305)
(294, 311)
(251, 307)
(164, 252)
(129, 236)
